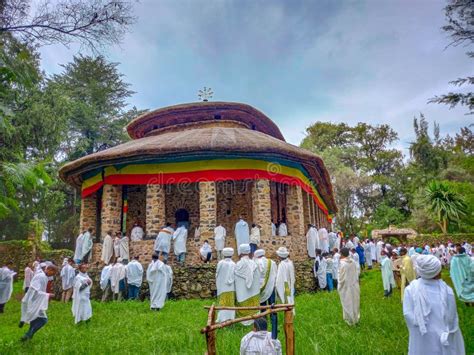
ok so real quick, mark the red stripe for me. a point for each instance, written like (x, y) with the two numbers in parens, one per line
(208, 175)
(91, 189)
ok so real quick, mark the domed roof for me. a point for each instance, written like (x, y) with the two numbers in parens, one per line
(173, 117)
(207, 140)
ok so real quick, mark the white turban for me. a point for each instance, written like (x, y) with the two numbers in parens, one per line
(282, 252)
(427, 266)
(244, 249)
(228, 252)
(258, 253)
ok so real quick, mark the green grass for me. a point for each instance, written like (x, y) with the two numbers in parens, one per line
(130, 327)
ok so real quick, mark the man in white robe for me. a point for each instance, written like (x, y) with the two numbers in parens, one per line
(254, 238)
(282, 230)
(430, 312)
(68, 273)
(124, 249)
(29, 273)
(137, 233)
(163, 241)
(260, 341)
(335, 265)
(87, 244)
(353, 254)
(169, 279)
(219, 240)
(323, 240)
(388, 279)
(134, 276)
(6, 284)
(332, 240)
(242, 233)
(247, 283)
(367, 254)
(157, 278)
(107, 248)
(35, 302)
(348, 288)
(118, 237)
(105, 284)
(373, 251)
(180, 237)
(81, 303)
(320, 269)
(311, 241)
(78, 249)
(285, 280)
(225, 285)
(378, 249)
(205, 252)
(268, 273)
(117, 280)
(274, 229)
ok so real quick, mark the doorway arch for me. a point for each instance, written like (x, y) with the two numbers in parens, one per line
(182, 217)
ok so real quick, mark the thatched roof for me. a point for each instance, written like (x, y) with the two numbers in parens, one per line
(149, 122)
(202, 141)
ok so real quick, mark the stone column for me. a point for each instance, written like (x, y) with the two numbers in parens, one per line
(88, 213)
(111, 212)
(306, 208)
(295, 217)
(155, 209)
(207, 209)
(261, 208)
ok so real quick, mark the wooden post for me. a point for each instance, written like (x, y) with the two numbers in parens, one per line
(289, 333)
(211, 334)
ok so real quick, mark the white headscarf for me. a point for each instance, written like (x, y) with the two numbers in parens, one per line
(228, 252)
(427, 266)
(282, 252)
(259, 252)
(244, 249)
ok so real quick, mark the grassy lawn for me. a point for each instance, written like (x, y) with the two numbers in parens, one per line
(130, 327)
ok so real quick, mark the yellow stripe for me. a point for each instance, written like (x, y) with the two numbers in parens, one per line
(92, 181)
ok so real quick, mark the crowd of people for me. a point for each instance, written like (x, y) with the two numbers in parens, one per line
(255, 279)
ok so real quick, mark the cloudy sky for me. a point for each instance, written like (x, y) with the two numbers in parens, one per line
(376, 61)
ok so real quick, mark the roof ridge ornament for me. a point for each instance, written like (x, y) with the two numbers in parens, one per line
(205, 94)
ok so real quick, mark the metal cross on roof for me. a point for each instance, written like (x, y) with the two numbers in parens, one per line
(205, 94)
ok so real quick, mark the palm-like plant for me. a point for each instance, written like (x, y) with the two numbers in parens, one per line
(444, 204)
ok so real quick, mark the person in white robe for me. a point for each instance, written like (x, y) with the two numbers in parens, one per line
(430, 312)
(355, 240)
(35, 302)
(260, 341)
(320, 269)
(254, 238)
(349, 245)
(247, 283)
(118, 236)
(163, 241)
(311, 241)
(338, 241)
(205, 252)
(355, 257)
(268, 272)
(180, 237)
(124, 249)
(81, 303)
(285, 280)
(134, 276)
(282, 230)
(87, 244)
(367, 253)
(29, 273)
(242, 233)
(78, 249)
(373, 251)
(388, 279)
(348, 288)
(68, 273)
(107, 248)
(157, 278)
(332, 240)
(219, 240)
(225, 285)
(323, 240)
(335, 265)
(169, 279)
(378, 249)
(117, 280)
(105, 284)
(274, 229)
(137, 233)
(6, 284)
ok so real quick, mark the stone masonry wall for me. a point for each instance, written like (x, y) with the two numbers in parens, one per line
(88, 212)
(261, 208)
(136, 207)
(155, 209)
(111, 212)
(295, 219)
(198, 281)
